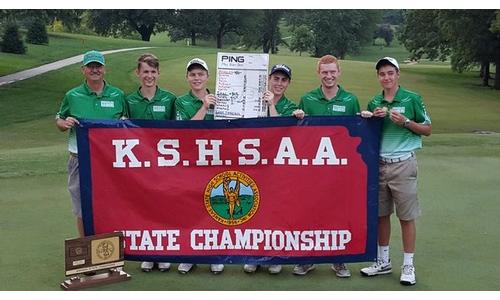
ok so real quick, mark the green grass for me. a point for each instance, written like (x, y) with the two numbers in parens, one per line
(457, 245)
(64, 45)
(372, 53)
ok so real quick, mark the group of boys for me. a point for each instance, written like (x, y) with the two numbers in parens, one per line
(404, 113)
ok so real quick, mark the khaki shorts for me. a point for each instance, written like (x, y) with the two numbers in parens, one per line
(398, 187)
(74, 185)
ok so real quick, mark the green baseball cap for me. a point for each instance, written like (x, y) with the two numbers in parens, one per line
(93, 56)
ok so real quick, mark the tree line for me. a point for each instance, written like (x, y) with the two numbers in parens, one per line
(316, 32)
(468, 38)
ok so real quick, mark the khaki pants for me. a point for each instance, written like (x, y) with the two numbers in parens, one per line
(398, 187)
(74, 185)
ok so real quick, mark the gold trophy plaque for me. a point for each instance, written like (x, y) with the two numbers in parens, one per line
(101, 255)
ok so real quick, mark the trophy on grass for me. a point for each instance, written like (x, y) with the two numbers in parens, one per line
(94, 260)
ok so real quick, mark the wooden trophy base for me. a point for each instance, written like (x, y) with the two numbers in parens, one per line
(81, 282)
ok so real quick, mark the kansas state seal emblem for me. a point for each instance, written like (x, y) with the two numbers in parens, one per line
(231, 198)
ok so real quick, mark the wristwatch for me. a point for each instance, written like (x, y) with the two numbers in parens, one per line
(406, 123)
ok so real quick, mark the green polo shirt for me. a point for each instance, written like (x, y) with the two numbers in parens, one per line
(398, 141)
(161, 107)
(315, 103)
(186, 106)
(82, 102)
(285, 107)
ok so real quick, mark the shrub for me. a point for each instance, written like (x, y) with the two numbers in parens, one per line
(37, 33)
(11, 40)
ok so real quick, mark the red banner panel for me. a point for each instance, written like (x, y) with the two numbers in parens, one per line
(235, 191)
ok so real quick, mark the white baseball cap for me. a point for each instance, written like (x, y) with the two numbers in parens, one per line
(197, 61)
(387, 60)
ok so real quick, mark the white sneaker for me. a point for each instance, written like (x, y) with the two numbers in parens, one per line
(303, 269)
(164, 266)
(341, 270)
(184, 268)
(147, 266)
(407, 275)
(250, 268)
(378, 268)
(274, 269)
(217, 268)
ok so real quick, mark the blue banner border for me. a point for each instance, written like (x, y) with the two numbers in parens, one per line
(369, 148)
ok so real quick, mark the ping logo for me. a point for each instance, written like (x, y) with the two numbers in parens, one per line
(228, 58)
(231, 198)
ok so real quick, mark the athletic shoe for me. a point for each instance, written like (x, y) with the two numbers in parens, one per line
(378, 268)
(274, 269)
(164, 266)
(185, 268)
(407, 275)
(341, 270)
(303, 269)
(216, 268)
(250, 268)
(147, 266)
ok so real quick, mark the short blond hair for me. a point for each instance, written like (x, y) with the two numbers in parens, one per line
(328, 59)
(148, 59)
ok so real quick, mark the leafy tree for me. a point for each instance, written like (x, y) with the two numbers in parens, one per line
(340, 32)
(465, 36)
(495, 24)
(11, 40)
(69, 17)
(297, 17)
(37, 33)
(261, 29)
(271, 36)
(422, 35)
(226, 21)
(385, 31)
(393, 16)
(119, 22)
(302, 39)
(190, 23)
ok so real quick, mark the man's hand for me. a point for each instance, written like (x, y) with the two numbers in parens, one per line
(366, 114)
(65, 124)
(299, 114)
(397, 117)
(209, 101)
(380, 112)
(268, 98)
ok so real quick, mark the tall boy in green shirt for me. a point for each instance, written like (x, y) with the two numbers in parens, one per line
(329, 99)
(150, 102)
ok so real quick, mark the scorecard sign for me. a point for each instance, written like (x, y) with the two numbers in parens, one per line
(265, 190)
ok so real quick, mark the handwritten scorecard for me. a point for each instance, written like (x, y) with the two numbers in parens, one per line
(241, 81)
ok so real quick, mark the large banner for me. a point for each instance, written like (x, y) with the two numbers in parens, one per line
(263, 190)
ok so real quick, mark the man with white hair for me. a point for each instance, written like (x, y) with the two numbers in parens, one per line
(93, 99)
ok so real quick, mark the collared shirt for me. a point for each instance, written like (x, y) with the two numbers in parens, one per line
(186, 106)
(314, 103)
(160, 107)
(285, 107)
(398, 141)
(82, 102)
